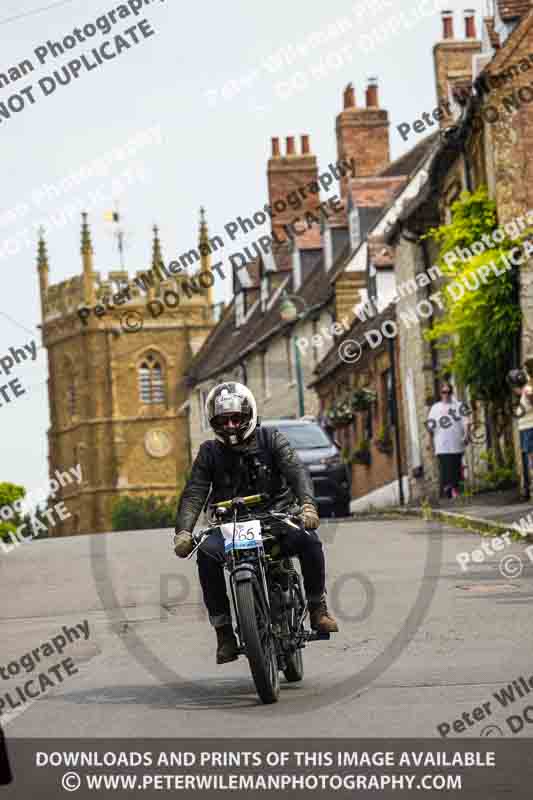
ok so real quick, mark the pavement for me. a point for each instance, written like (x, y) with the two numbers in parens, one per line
(494, 511)
(421, 640)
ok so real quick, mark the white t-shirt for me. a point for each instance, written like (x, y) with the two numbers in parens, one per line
(525, 419)
(448, 426)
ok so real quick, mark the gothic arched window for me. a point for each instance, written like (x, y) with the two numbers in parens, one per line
(151, 383)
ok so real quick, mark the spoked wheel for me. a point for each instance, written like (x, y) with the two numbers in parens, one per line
(255, 629)
(294, 670)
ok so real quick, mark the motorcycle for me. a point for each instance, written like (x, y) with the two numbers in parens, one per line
(267, 594)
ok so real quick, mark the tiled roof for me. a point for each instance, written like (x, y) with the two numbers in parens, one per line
(226, 344)
(406, 164)
(513, 9)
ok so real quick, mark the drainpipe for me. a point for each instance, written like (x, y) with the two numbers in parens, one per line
(392, 357)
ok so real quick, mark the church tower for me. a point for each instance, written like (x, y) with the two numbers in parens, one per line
(117, 356)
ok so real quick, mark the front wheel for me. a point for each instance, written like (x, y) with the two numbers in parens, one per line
(254, 623)
(294, 669)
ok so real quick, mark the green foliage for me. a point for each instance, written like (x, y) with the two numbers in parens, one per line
(362, 399)
(497, 476)
(480, 327)
(9, 492)
(143, 513)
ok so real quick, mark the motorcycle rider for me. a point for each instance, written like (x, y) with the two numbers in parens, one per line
(246, 459)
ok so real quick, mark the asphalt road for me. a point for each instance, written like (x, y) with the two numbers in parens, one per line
(420, 643)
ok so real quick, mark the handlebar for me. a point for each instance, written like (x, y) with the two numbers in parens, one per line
(291, 519)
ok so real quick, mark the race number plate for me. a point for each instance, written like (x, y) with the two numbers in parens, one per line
(247, 534)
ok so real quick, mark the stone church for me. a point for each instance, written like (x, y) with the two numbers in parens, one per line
(116, 388)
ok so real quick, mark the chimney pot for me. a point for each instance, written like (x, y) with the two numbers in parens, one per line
(290, 145)
(305, 144)
(447, 24)
(349, 96)
(275, 147)
(372, 93)
(470, 23)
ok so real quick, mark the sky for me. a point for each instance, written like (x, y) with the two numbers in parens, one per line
(215, 82)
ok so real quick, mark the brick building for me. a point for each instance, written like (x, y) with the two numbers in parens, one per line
(363, 404)
(485, 141)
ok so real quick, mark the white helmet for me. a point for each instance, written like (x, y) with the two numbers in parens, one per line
(233, 400)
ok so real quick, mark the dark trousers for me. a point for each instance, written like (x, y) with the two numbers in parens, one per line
(307, 546)
(450, 471)
(5, 772)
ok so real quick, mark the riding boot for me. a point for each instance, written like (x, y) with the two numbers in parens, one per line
(227, 646)
(321, 619)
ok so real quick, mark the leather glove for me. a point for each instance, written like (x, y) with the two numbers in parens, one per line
(310, 516)
(183, 544)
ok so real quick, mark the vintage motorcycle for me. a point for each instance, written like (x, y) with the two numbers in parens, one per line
(266, 590)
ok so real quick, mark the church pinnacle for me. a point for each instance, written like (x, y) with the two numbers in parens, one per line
(87, 260)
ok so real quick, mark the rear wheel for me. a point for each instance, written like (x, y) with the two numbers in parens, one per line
(255, 629)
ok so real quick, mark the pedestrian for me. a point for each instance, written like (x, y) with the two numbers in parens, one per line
(522, 386)
(450, 432)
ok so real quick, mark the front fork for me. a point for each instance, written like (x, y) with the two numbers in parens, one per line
(261, 577)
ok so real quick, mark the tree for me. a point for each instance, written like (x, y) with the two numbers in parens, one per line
(480, 327)
(9, 493)
(143, 513)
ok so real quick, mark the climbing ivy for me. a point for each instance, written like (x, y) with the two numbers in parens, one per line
(478, 328)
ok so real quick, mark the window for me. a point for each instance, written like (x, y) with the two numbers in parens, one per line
(151, 385)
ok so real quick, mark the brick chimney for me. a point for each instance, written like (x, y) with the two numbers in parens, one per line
(286, 175)
(363, 134)
(453, 58)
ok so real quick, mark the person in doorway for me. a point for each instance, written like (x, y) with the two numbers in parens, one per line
(449, 427)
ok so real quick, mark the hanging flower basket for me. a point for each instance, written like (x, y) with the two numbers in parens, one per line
(362, 399)
(340, 414)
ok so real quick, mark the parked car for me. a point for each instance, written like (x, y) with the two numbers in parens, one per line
(322, 458)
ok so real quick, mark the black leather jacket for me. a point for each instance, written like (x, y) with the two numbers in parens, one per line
(266, 463)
